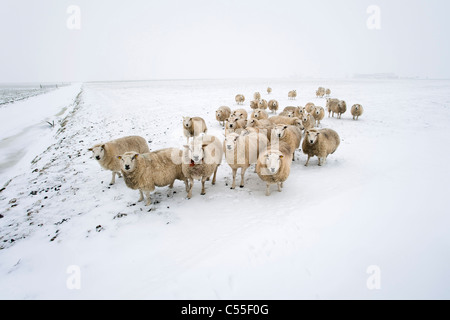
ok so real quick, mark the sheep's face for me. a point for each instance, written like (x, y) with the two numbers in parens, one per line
(311, 137)
(356, 107)
(299, 124)
(317, 111)
(195, 152)
(231, 125)
(128, 161)
(273, 162)
(218, 113)
(187, 122)
(230, 141)
(305, 117)
(252, 123)
(98, 152)
(280, 131)
(290, 114)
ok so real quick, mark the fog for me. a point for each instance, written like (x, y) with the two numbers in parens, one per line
(136, 40)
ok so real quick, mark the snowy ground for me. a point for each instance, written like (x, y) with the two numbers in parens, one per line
(381, 200)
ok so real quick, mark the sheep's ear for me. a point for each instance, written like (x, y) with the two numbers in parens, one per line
(285, 127)
(135, 156)
(307, 132)
(103, 146)
(119, 157)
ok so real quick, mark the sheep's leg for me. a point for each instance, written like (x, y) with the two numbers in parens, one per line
(281, 183)
(186, 184)
(307, 160)
(233, 185)
(191, 185)
(119, 174)
(320, 161)
(279, 186)
(203, 186)
(141, 196)
(149, 200)
(113, 179)
(243, 169)
(214, 177)
(267, 189)
(171, 185)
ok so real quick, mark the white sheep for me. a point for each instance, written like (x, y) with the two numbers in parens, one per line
(236, 126)
(259, 114)
(332, 106)
(273, 106)
(106, 153)
(222, 114)
(357, 111)
(274, 166)
(309, 107)
(318, 114)
(308, 121)
(257, 96)
(254, 104)
(328, 92)
(320, 143)
(292, 94)
(239, 98)
(193, 126)
(243, 150)
(241, 113)
(145, 171)
(201, 158)
(269, 90)
(291, 135)
(262, 104)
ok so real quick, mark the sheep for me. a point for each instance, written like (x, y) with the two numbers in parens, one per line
(239, 98)
(145, 171)
(254, 104)
(308, 121)
(295, 110)
(243, 150)
(320, 92)
(201, 158)
(260, 126)
(273, 106)
(287, 114)
(259, 114)
(257, 96)
(320, 143)
(291, 135)
(292, 94)
(106, 153)
(332, 106)
(193, 126)
(222, 114)
(274, 166)
(291, 121)
(236, 126)
(309, 107)
(328, 92)
(269, 90)
(357, 111)
(341, 108)
(241, 113)
(262, 104)
(318, 114)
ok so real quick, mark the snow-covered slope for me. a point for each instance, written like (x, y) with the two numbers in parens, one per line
(380, 200)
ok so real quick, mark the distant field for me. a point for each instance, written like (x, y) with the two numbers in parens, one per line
(9, 94)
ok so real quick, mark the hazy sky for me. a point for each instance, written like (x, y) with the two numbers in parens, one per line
(167, 39)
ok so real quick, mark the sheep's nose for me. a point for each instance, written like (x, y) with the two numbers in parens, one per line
(97, 157)
(272, 169)
(196, 158)
(127, 167)
(311, 141)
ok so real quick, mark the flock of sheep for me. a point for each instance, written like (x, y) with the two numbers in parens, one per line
(269, 143)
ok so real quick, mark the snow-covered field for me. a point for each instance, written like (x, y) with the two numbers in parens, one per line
(381, 200)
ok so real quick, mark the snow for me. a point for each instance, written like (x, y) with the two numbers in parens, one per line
(380, 200)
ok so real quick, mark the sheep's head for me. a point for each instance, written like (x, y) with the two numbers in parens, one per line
(290, 114)
(317, 111)
(280, 131)
(218, 113)
(252, 123)
(98, 152)
(230, 141)
(195, 151)
(311, 136)
(273, 161)
(356, 107)
(128, 161)
(305, 117)
(299, 124)
(187, 122)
